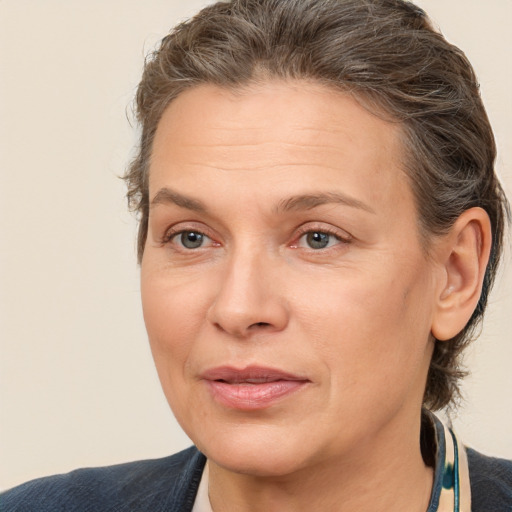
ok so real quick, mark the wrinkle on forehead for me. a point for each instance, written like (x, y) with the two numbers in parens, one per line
(214, 103)
(277, 128)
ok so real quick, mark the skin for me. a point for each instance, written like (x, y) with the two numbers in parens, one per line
(353, 319)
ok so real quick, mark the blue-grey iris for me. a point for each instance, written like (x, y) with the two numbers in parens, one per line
(191, 239)
(317, 240)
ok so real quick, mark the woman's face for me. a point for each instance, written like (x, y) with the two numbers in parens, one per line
(287, 298)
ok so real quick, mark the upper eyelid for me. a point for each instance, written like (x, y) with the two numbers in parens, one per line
(180, 227)
(339, 240)
(306, 227)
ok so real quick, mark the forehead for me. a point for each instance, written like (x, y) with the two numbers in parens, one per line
(306, 133)
(274, 110)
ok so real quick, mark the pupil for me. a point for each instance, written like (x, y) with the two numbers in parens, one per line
(191, 240)
(318, 240)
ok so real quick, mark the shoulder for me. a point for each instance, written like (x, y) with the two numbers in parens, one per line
(491, 482)
(169, 483)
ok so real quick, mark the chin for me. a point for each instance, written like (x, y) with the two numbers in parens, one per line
(258, 463)
(255, 451)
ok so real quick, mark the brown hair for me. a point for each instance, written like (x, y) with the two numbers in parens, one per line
(387, 54)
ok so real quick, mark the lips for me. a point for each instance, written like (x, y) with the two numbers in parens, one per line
(251, 388)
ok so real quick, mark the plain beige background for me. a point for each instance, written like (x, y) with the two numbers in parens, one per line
(78, 386)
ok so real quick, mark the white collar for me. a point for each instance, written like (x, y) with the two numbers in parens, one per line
(202, 502)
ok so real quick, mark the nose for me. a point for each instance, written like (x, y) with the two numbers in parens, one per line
(249, 297)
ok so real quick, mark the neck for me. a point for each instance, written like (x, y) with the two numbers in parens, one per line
(384, 473)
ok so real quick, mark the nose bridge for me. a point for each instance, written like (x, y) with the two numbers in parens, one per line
(248, 298)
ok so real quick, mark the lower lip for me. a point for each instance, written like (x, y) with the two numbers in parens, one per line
(250, 397)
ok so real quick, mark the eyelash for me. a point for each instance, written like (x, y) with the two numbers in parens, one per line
(304, 230)
(172, 233)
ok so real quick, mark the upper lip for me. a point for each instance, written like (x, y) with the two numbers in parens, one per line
(249, 374)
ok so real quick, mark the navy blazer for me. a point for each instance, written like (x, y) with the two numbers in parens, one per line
(170, 484)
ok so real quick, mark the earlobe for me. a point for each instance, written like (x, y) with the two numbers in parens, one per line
(464, 254)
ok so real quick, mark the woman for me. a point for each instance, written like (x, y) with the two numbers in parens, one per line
(320, 225)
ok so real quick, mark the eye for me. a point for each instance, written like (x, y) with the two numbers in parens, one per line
(318, 240)
(190, 239)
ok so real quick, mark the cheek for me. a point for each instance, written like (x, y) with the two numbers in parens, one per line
(371, 327)
(171, 318)
(172, 315)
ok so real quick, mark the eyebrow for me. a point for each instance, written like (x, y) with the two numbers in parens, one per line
(295, 203)
(310, 201)
(168, 196)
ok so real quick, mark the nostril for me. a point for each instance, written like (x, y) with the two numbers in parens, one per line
(259, 324)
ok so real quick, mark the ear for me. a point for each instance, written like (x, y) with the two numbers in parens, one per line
(464, 254)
